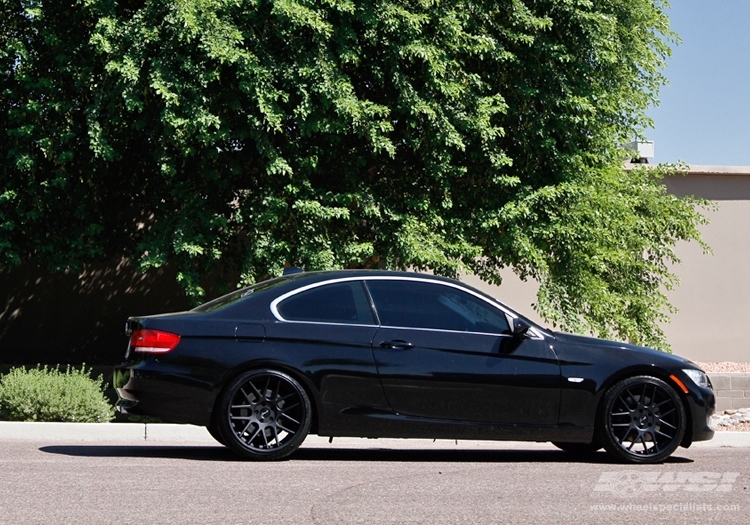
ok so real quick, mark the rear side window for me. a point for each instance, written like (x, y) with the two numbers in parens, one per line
(415, 304)
(343, 303)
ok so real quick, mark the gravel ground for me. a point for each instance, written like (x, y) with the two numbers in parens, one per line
(741, 427)
(724, 367)
(732, 420)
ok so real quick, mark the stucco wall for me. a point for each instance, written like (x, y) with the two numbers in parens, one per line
(714, 295)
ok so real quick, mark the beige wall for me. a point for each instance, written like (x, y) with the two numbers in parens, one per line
(713, 298)
(714, 295)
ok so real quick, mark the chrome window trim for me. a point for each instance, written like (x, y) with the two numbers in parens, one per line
(326, 323)
(533, 331)
(442, 330)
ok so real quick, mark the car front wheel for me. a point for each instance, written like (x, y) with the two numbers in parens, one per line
(643, 420)
(264, 415)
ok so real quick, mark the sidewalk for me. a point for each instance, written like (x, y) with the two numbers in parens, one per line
(164, 432)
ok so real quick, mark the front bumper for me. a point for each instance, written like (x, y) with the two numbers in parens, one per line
(701, 405)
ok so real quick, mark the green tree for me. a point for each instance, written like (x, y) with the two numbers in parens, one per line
(234, 136)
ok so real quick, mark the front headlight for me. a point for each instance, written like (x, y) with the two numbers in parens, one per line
(698, 377)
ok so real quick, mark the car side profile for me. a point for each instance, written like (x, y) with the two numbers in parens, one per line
(369, 353)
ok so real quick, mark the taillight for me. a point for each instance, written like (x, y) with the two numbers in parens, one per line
(153, 341)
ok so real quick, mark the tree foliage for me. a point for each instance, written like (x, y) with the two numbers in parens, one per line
(235, 136)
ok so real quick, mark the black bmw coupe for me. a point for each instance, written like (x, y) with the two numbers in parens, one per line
(407, 355)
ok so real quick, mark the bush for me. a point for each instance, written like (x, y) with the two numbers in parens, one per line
(43, 394)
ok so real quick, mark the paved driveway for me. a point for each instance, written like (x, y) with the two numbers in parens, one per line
(115, 476)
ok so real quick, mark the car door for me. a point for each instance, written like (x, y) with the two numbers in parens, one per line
(326, 331)
(445, 352)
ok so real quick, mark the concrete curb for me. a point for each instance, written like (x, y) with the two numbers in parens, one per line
(133, 432)
(137, 433)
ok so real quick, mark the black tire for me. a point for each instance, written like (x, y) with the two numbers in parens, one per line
(578, 448)
(213, 429)
(264, 415)
(642, 420)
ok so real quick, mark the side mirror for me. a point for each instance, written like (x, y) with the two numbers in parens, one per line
(520, 328)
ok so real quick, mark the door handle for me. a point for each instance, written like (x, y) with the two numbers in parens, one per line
(397, 344)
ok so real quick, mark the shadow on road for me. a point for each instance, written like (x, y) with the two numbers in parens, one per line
(215, 453)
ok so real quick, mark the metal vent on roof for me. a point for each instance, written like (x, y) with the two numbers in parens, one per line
(642, 151)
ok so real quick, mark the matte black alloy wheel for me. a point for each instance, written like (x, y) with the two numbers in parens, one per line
(643, 420)
(265, 415)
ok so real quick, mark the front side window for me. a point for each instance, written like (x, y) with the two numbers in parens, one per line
(415, 304)
(344, 303)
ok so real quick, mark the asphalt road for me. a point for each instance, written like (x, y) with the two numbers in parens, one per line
(51, 477)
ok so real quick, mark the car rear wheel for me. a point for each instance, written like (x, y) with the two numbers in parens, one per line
(264, 415)
(578, 448)
(643, 420)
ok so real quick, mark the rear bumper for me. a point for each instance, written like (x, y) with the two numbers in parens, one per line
(151, 389)
(120, 378)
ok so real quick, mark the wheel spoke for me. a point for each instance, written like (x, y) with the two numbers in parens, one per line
(630, 395)
(289, 418)
(285, 409)
(663, 434)
(255, 390)
(246, 427)
(250, 441)
(282, 427)
(242, 390)
(275, 393)
(665, 414)
(265, 390)
(668, 424)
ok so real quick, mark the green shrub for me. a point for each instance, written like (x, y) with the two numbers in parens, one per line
(43, 394)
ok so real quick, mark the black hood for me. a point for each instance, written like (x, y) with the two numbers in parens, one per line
(608, 346)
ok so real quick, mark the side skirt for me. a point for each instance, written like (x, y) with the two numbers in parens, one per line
(362, 422)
